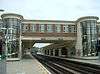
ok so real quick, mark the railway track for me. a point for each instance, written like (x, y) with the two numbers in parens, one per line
(64, 66)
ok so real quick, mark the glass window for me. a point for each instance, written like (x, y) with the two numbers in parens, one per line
(33, 27)
(65, 28)
(49, 28)
(57, 28)
(12, 26)
(89, 37)
(42, 28)
(25, 27)
(71, 28)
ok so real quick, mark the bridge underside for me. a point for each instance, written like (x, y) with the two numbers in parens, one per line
(67, 45)
(58, 40)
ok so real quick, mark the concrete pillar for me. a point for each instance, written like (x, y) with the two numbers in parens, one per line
(49, 52)
(59, 52)
(20, 48)
(69, 52)
(99, 55)
(20, 43)
(78, 47)
(46, 52)
(53, 52)
(43, 51)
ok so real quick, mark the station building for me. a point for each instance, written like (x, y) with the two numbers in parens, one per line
(69, 38)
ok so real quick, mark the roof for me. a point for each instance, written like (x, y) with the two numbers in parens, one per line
(49, 21)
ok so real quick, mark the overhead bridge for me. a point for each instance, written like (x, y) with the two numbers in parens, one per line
(81, 37)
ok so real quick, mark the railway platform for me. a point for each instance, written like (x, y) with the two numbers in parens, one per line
(28, 65)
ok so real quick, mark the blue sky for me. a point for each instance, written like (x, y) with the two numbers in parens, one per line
(52, 9)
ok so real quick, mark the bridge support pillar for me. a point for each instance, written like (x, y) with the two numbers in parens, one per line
(46, 52)
(20, 48)
(78, 46)
(49, 52)
(53, 52)
(60, 53)
(43, 52)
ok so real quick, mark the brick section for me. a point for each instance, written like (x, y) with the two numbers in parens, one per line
(53, 27)
(61, 27)
(45, 27)
(37, 27)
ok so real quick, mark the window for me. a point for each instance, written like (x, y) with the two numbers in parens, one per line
(33, 27)
(71, 28)
(65, 28)
(12, 26)
(89, 37)
(25, 28)
(42, 28)
(49, 28)
(57, 28)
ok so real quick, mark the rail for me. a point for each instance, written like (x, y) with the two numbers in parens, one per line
(63, 66)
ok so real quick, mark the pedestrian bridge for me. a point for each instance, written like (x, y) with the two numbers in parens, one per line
(70, 38)
(74, 39)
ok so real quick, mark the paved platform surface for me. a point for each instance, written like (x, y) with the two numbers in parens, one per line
(2, 67)
(26, 66)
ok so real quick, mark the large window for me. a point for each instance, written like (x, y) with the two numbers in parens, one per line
(89, 37)
(57, 28)
(12, 25)
(65, 28)
(71, 28)
(42, 28)
(12, 31)
(49, 28)
(33, 27)
(25, 28)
